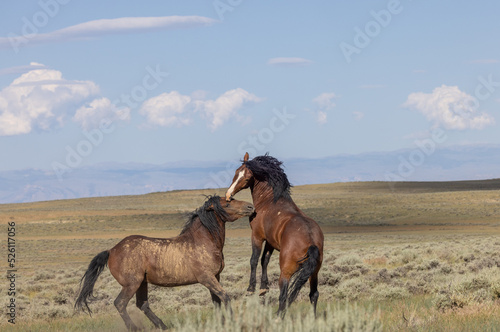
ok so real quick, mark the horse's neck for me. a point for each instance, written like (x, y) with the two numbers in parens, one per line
(198, 230)
(262, 194)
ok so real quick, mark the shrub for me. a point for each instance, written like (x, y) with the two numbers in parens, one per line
(433, 263)
(384, 291)
(352, 289)
(408, 255)
(351, 259)
(60, 299)
(469, 290)
(495, 288)
(473, 284)
(252, 316)
(468, 258)
(330, 278)
(446, 269)
(44, 276)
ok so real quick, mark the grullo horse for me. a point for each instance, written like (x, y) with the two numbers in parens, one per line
(195, 256)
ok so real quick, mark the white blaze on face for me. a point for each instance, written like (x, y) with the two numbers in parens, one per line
(229, 192)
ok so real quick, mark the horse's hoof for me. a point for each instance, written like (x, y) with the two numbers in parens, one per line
(250, 293)
(263, 292)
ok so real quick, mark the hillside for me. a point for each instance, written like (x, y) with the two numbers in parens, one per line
(411, 246)
(335, 206)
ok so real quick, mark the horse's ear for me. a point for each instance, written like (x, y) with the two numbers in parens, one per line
(245, 158)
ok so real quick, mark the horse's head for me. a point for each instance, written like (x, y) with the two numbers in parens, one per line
(233, 209)
(241, 180)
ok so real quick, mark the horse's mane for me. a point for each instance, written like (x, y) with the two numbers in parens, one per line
(267, 168)
(208, 216)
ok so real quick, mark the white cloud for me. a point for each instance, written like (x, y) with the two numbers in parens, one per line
(175, 109)
(98, 28)
(325, 100)
(450, 108)
(321, 117)
(167, 109)
(289, 62)
(89, 116)
(21, 69)
(220, 110)
(40, 99)
(324, 103)
(199, 94)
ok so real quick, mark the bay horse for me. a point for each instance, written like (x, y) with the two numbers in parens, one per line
(279, 223)
(194, 256)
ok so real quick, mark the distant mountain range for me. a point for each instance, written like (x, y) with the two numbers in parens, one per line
(112, 179)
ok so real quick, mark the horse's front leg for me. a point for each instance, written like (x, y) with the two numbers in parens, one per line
(215, 299)
(266, 256)
(213, 285)
(254, 261)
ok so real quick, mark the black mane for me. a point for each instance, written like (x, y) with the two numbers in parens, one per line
(267, 168)
(208, 217)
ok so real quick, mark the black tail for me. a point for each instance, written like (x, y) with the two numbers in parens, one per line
(306, 269)
(87, 283)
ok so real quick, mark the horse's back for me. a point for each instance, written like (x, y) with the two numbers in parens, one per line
(165, 262)
(138, 246)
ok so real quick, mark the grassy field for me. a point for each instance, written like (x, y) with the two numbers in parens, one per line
(398, 257)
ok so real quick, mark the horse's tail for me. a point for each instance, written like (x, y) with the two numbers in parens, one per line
(87, 283)
(307, 266)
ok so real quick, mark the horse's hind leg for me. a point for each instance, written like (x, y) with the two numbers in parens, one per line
(142, 303)
(283, 299)
(288, 267)
(314, 294)
(121, 305)
(266, 256)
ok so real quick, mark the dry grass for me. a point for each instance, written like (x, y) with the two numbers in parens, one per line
(412, 258)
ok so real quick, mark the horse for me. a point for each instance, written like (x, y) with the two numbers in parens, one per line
(279, 223)
(194, 256)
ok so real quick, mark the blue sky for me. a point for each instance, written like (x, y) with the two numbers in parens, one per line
(85, 82)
